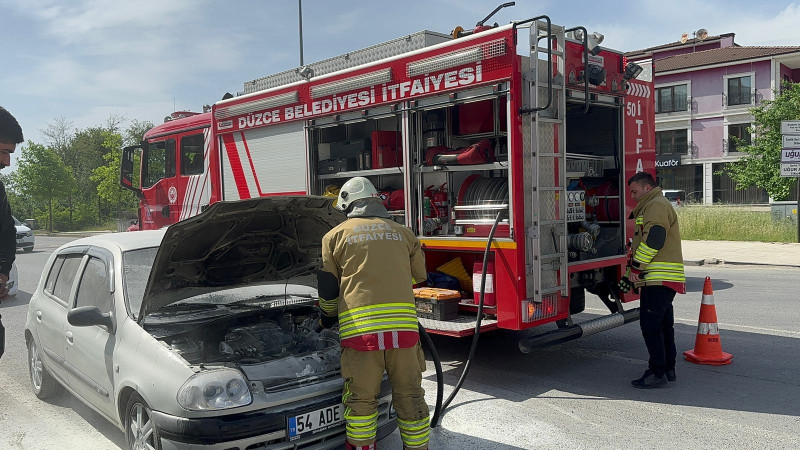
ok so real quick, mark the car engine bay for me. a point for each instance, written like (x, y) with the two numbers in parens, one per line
(273, 346)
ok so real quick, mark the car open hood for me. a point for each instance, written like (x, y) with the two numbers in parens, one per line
(233, 244)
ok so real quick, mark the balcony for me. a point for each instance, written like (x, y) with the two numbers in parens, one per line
(741, 100)
(672, 149)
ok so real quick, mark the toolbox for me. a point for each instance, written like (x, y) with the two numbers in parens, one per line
(350, 149)
(329, 166)
(437, 303)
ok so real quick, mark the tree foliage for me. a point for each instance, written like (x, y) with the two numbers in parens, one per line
(72, 182)
(107, 176)
(761, 166)
(42, 178)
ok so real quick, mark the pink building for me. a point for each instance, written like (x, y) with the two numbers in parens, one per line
(704, 91)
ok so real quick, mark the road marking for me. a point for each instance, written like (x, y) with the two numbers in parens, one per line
(729, 326)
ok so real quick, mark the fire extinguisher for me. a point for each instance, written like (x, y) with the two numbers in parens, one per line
(430, 212)
(440, 201)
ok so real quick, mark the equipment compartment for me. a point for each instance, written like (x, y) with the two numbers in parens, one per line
(342, 147)
(461, 166)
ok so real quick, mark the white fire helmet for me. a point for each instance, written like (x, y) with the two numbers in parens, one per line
(354, 189)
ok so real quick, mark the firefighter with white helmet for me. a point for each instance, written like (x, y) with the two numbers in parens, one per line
(369, 263)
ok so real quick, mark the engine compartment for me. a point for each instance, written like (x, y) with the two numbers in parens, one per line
(273, 346)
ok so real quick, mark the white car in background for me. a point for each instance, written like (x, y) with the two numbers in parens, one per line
(25, 238)
(201, 335)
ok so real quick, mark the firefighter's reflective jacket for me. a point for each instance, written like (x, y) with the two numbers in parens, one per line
(657, 254)
(373, 261)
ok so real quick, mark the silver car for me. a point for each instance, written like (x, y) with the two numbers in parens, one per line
(25, 237)
(203, 335)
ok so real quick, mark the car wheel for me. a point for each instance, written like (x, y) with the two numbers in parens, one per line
(28, 249)
(140, 431)
(44, 385)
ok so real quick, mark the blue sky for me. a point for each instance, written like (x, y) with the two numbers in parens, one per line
(86, 59)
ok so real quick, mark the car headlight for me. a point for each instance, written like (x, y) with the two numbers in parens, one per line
(216, 389)
(29, 233)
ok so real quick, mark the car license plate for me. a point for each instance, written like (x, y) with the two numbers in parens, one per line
(315, 421)
(19, 241)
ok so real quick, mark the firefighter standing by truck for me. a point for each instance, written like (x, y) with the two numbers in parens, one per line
(656, 268)
(369, 263)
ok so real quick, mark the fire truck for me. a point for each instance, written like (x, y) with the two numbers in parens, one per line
(527, 132)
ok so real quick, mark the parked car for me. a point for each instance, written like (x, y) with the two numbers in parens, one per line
(200, 335)
(25, 237)
(675, 197)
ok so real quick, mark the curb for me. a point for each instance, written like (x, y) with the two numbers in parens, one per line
(714, 261)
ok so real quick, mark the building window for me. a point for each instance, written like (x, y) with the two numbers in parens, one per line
(672, 99)
(739, 91)
(672, 142)
(738, 136)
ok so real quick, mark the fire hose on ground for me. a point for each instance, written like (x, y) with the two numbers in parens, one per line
(442, 406)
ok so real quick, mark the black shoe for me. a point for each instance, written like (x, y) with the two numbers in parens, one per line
(671, 375)
(649, 381)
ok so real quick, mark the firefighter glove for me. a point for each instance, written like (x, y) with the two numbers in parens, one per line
(625, 284)
(327, 322)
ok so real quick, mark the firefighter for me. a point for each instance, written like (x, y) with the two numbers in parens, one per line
(369, 263)
(656, 268)
(10, 136)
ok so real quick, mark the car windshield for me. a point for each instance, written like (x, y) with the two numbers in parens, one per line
(136, 265)
(674, 195)
(136, 271)
(16, 222)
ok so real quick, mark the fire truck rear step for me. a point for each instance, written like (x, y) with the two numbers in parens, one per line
(463, 326)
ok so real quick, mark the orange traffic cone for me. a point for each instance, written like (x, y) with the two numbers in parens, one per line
(707, 345)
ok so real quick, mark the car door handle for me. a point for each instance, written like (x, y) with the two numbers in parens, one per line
(68, 334)
(39, 316)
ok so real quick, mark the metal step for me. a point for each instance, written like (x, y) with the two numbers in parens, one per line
(463, 326)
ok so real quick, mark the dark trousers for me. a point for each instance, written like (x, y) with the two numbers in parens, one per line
(656, 319)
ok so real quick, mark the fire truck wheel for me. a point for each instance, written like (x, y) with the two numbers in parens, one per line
(577, 300)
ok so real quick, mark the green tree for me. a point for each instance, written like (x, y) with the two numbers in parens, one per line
(42, 177)
(761, 166)
(107, 176)
(136, 130)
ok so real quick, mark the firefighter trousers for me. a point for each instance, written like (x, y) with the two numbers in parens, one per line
(656, 319)
(363, 372)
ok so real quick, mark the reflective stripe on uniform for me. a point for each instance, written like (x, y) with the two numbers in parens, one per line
(664, 271)
(644, 253)
(415, 433)
(381, 318)
(329, 307)
(361, 428)
(640, 220)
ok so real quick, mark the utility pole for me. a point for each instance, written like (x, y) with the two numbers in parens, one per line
(300, 15)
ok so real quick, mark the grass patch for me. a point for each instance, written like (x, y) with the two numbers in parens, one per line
(111, 225)
(719, 223)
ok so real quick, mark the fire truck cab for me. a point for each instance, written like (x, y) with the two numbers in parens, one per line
(528, 130)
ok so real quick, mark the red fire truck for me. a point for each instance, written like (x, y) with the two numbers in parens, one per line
(532, 120)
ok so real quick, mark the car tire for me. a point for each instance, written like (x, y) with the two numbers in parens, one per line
(44, 385)
(140, 431)
(28, 249)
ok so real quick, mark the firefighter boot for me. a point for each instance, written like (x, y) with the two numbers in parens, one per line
(649, 380)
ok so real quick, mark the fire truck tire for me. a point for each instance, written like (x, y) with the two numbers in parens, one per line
(577, 300)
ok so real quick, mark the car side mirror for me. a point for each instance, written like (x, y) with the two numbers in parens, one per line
(86, 316)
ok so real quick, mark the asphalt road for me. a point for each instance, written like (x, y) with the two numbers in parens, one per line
(576, 395)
